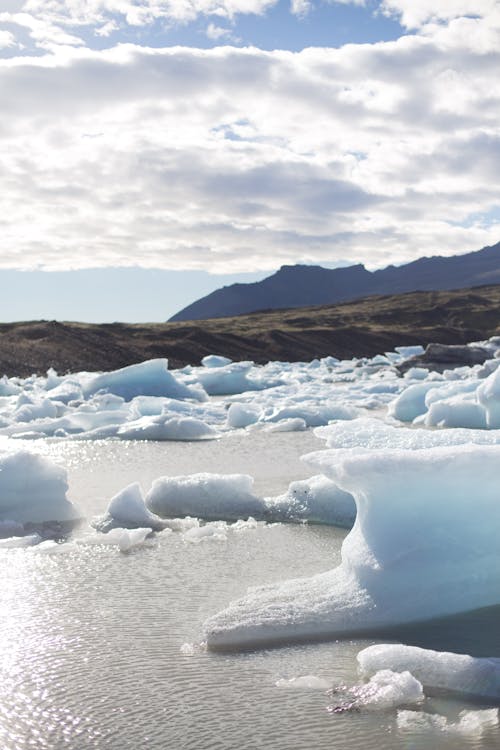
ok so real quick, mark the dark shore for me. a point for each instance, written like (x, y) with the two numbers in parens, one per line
(353, 329)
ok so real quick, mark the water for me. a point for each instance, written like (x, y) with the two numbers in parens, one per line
(100, 649)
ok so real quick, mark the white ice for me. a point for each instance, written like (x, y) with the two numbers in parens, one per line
(386, 689)
(389, 573)
(33, 489)
(207, 496)
(127, 509)
(458, 673)
(316, 500)
(469, 722)
(150, 378)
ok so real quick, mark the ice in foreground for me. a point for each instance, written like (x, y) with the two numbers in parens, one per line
(33, 489)
(458, 673)
(419, 549)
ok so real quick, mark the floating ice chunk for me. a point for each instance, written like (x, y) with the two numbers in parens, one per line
(456, 412)
(313, 413)
(411, 402)
(469, 722)
(130, 538)
(242, 525)
(15, 542)
(44, 408)
(416, 373)
(296, 424)
(227, 379)
(420, 528)
(212, 497)
(124, 539)
(241, 415)
(304, 682)
(33, 489)
(214, 360)
(316, 500)
(128, 510)
(8, 387)
(180, 524)
(386, 689)
(65, 392)
(458, 673)
(150, 378)
(212, 532)
(165, 427)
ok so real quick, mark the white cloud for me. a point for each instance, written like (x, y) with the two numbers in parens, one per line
(217, 32)
(300, 8)
(61, 21)
(415, 14)
(7, 39)
(236, 159)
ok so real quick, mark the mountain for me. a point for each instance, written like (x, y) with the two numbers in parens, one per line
(300, 286)
(360, 328)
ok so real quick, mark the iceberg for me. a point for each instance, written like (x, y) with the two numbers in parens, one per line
(419, 549)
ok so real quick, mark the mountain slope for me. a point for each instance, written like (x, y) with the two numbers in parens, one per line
(299, 286)
(350, 329)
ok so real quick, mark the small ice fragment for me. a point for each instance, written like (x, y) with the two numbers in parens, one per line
(469, 722)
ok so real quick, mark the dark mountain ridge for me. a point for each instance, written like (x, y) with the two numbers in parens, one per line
(301, 286)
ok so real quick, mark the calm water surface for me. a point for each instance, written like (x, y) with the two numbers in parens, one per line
(92, 639)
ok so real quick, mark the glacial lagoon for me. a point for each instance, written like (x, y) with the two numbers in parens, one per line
(103, 634)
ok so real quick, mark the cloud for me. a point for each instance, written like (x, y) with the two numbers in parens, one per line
(7, 39)
(58, 22)
(415, 15)
(240, 159)
(217, 32)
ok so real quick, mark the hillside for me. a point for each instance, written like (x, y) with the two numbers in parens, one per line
(299, 286)
(352, 329)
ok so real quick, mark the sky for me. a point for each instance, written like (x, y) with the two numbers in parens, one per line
(154, 150)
